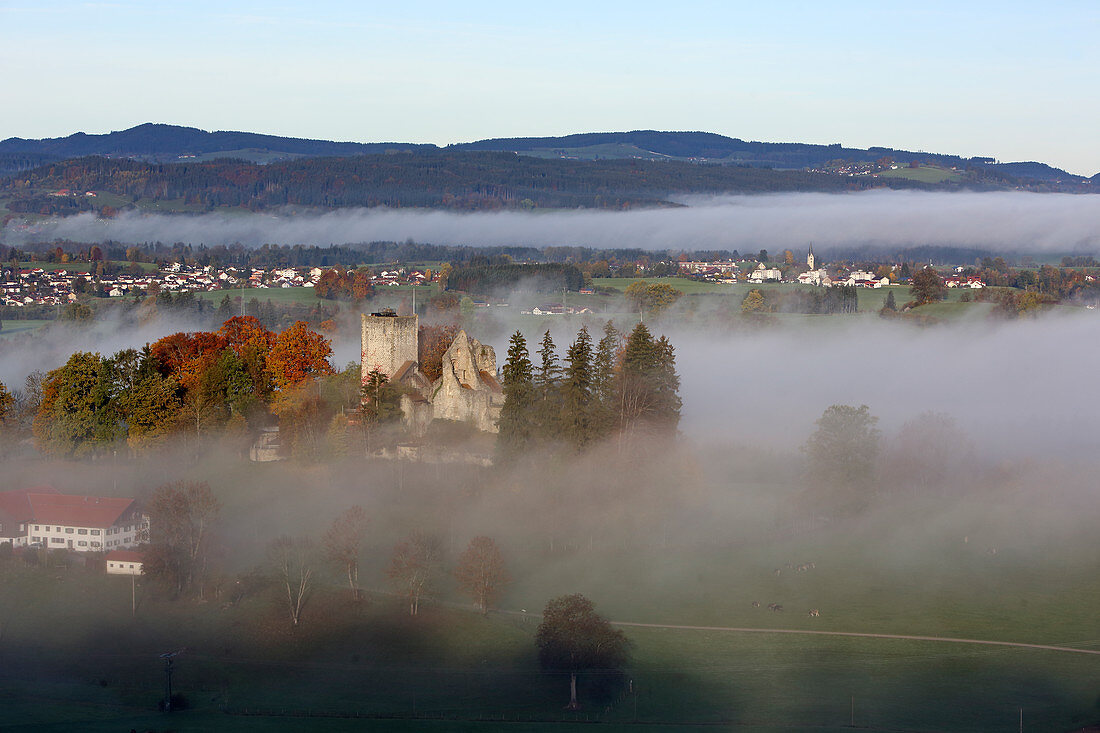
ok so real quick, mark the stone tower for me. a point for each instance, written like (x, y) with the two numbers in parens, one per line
(810, 257)
(389, 341)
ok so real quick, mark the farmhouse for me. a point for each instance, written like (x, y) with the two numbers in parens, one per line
(84, 523)
(16, 514)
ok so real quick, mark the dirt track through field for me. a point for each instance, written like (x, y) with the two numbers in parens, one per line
(902, 637)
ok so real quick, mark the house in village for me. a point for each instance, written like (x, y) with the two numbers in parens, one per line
(467, 391)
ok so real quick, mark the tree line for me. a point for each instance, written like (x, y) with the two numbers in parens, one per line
(188, 385)
(618, 387)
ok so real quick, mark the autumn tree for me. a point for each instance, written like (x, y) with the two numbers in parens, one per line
(651, 298)
(432, 343)
(343, 542)
(927, 286)
(77, 415)
(297, 354)
(480, 572)
(7, 402)
(573, 637)
(415, 566)
(754, 302)
(292, 559)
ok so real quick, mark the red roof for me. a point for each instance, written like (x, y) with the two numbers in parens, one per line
(15, 506)
(77, 511)
(124, 556)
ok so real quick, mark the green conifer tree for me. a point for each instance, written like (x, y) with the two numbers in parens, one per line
(577, 417)
(517, 414)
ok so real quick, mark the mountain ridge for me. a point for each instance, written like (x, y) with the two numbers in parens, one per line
(164, 143)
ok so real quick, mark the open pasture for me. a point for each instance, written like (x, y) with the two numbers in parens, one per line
(451, 669)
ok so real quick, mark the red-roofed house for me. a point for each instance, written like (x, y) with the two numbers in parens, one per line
(85, 523)
(124, 562)
(16, 513)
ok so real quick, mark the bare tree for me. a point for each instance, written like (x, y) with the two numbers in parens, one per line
(414, 567)
(293, 562)
(343, 541)
(480, 571)
(181, 516)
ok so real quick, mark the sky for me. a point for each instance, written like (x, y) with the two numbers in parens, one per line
(1012, 80)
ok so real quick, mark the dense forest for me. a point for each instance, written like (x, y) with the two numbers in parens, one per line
(455, 180)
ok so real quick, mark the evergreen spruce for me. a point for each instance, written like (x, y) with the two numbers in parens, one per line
(517, 414)
(547, 386)
(578, 418)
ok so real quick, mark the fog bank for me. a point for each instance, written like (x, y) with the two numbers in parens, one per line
(1001, 221)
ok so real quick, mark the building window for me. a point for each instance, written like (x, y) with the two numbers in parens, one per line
(95, 544)
(82, 543)
(82, 531)
(95, 531)
(57, 540)
(37, 528)
(36, 539)
(68, 530)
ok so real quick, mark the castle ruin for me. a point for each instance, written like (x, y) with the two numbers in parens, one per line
(467, 391)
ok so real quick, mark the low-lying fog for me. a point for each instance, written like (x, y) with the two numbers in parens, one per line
(1027, 385)
(1000, 221)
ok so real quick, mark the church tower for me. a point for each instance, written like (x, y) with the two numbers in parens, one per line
(810, 257)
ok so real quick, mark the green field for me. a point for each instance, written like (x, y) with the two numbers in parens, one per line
(924, 174)
(83, 266)
(917, 568)
(12, 328)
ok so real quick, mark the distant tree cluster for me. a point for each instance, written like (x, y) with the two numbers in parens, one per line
(338, 284)
(609, 388)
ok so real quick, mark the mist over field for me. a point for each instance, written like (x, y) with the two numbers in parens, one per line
(1000, 221)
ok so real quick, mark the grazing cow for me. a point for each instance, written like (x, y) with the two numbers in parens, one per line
(814, 612)
(775, 607)
(777, 571)
(756, 604)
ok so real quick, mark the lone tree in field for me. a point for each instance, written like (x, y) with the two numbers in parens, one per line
(573, 637)
(292, 559)
(927, 287)
(842, 453)
(414, 567)
(481, 573)
(343, 541)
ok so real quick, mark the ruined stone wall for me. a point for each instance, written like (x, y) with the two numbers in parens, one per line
(388, 342)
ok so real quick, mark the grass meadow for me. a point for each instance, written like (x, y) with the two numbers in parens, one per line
(72, 655)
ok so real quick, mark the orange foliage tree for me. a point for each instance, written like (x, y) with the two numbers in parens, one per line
(298, 353)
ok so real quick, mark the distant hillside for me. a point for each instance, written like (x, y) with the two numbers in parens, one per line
(448, 179)
(160, 143)
(166, 143)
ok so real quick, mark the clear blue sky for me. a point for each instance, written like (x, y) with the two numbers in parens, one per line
(1015, 80)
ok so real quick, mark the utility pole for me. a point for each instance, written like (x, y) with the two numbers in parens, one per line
(167, 657)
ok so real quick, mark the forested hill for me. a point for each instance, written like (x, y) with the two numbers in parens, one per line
(157, 143)
(166, 143)
(449, 179)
